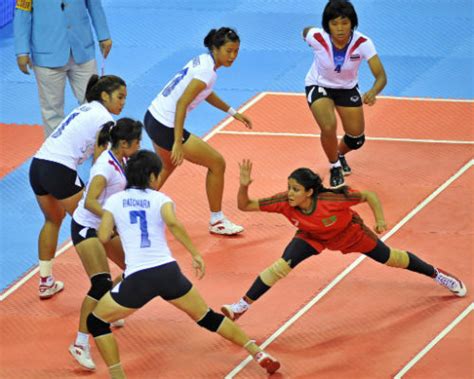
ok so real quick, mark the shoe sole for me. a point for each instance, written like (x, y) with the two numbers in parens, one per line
(346, 173)
(462, 292)
(84, 367)
(50, 296)
(225, 234)
(227, 313)
(270, 365)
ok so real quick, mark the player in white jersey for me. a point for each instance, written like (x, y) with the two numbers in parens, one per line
(53, 170)
(140, 215)
(164, 121)
(332, 83)
(107, 177)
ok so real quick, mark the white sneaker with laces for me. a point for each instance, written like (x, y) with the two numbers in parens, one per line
(225, 227)
(82, 355)
(118, 323)
(234, 311)
(267, 362)
(452, 283)
(47, 291)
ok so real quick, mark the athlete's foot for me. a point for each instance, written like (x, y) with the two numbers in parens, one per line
(225, 227)
(49, 287)
(267, 362)
(450, 282)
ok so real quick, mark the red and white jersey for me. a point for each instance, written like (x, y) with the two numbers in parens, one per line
(332, 213)
(322, 72)
(72, 142)
(109, 167)
(137, 216)
(163, 107)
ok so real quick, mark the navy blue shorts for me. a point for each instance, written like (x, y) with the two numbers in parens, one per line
(341, 97)
(140, 287)
(52, 178)
(161, 134)
(80, 233)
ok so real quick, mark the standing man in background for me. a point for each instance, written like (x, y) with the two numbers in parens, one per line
(54, 38)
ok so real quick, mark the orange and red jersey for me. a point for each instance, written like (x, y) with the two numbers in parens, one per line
(332, 224)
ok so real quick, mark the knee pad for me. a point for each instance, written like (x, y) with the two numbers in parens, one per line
(354, 143)
(101, 284)
(211, 320)
(398, 258)
(97, 327)
(275, 272)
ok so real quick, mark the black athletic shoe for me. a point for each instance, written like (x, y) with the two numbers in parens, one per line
(346, 169)
(337, 177)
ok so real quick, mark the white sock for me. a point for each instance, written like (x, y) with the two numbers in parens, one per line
(335, 164)
(216, 216)
(46, 268)
(244, 304)
(82, 339)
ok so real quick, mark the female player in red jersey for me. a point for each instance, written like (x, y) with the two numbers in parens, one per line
(324, 219)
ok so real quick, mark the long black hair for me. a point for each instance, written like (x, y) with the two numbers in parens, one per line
(139, 168)
(310, 180)
(106, 83)
(126, 129)
(219, 37)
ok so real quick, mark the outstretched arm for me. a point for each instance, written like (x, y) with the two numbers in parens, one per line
(376, 206)
(217, 102)
(244, 203)
(378, 72)
(179, 232)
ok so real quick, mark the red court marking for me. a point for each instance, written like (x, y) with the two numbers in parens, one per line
(17, 144)
(336, 336)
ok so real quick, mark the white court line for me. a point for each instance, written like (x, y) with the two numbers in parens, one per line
(402, 98)
(314, 135)
(30, 274)
(219, 127)
(351, 267)
(438, 338)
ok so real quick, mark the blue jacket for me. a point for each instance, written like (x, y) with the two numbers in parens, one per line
(50, 30)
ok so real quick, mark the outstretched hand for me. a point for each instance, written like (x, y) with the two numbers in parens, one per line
(245, 172)
(244, 119)
(380, 227)
(199, 266)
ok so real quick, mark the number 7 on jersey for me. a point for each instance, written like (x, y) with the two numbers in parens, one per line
(141, 215)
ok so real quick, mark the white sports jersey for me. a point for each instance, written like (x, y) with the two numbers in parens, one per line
(137, 215)
(322, 72)
(109, 167)
(163, 107)
(72, 142)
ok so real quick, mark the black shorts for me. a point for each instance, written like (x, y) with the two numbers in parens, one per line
(140, 287)
(341, 97)
(55, 179)
(297, 251)
(80, 233)
(160, 134)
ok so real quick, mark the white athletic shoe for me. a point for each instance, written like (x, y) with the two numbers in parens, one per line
(82, 355)
(118, 323)
(267, 362)
(47, 291)
(452, 283)
(234, 311)
(225, 227)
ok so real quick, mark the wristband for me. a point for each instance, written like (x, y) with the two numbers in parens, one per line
(231, 111)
